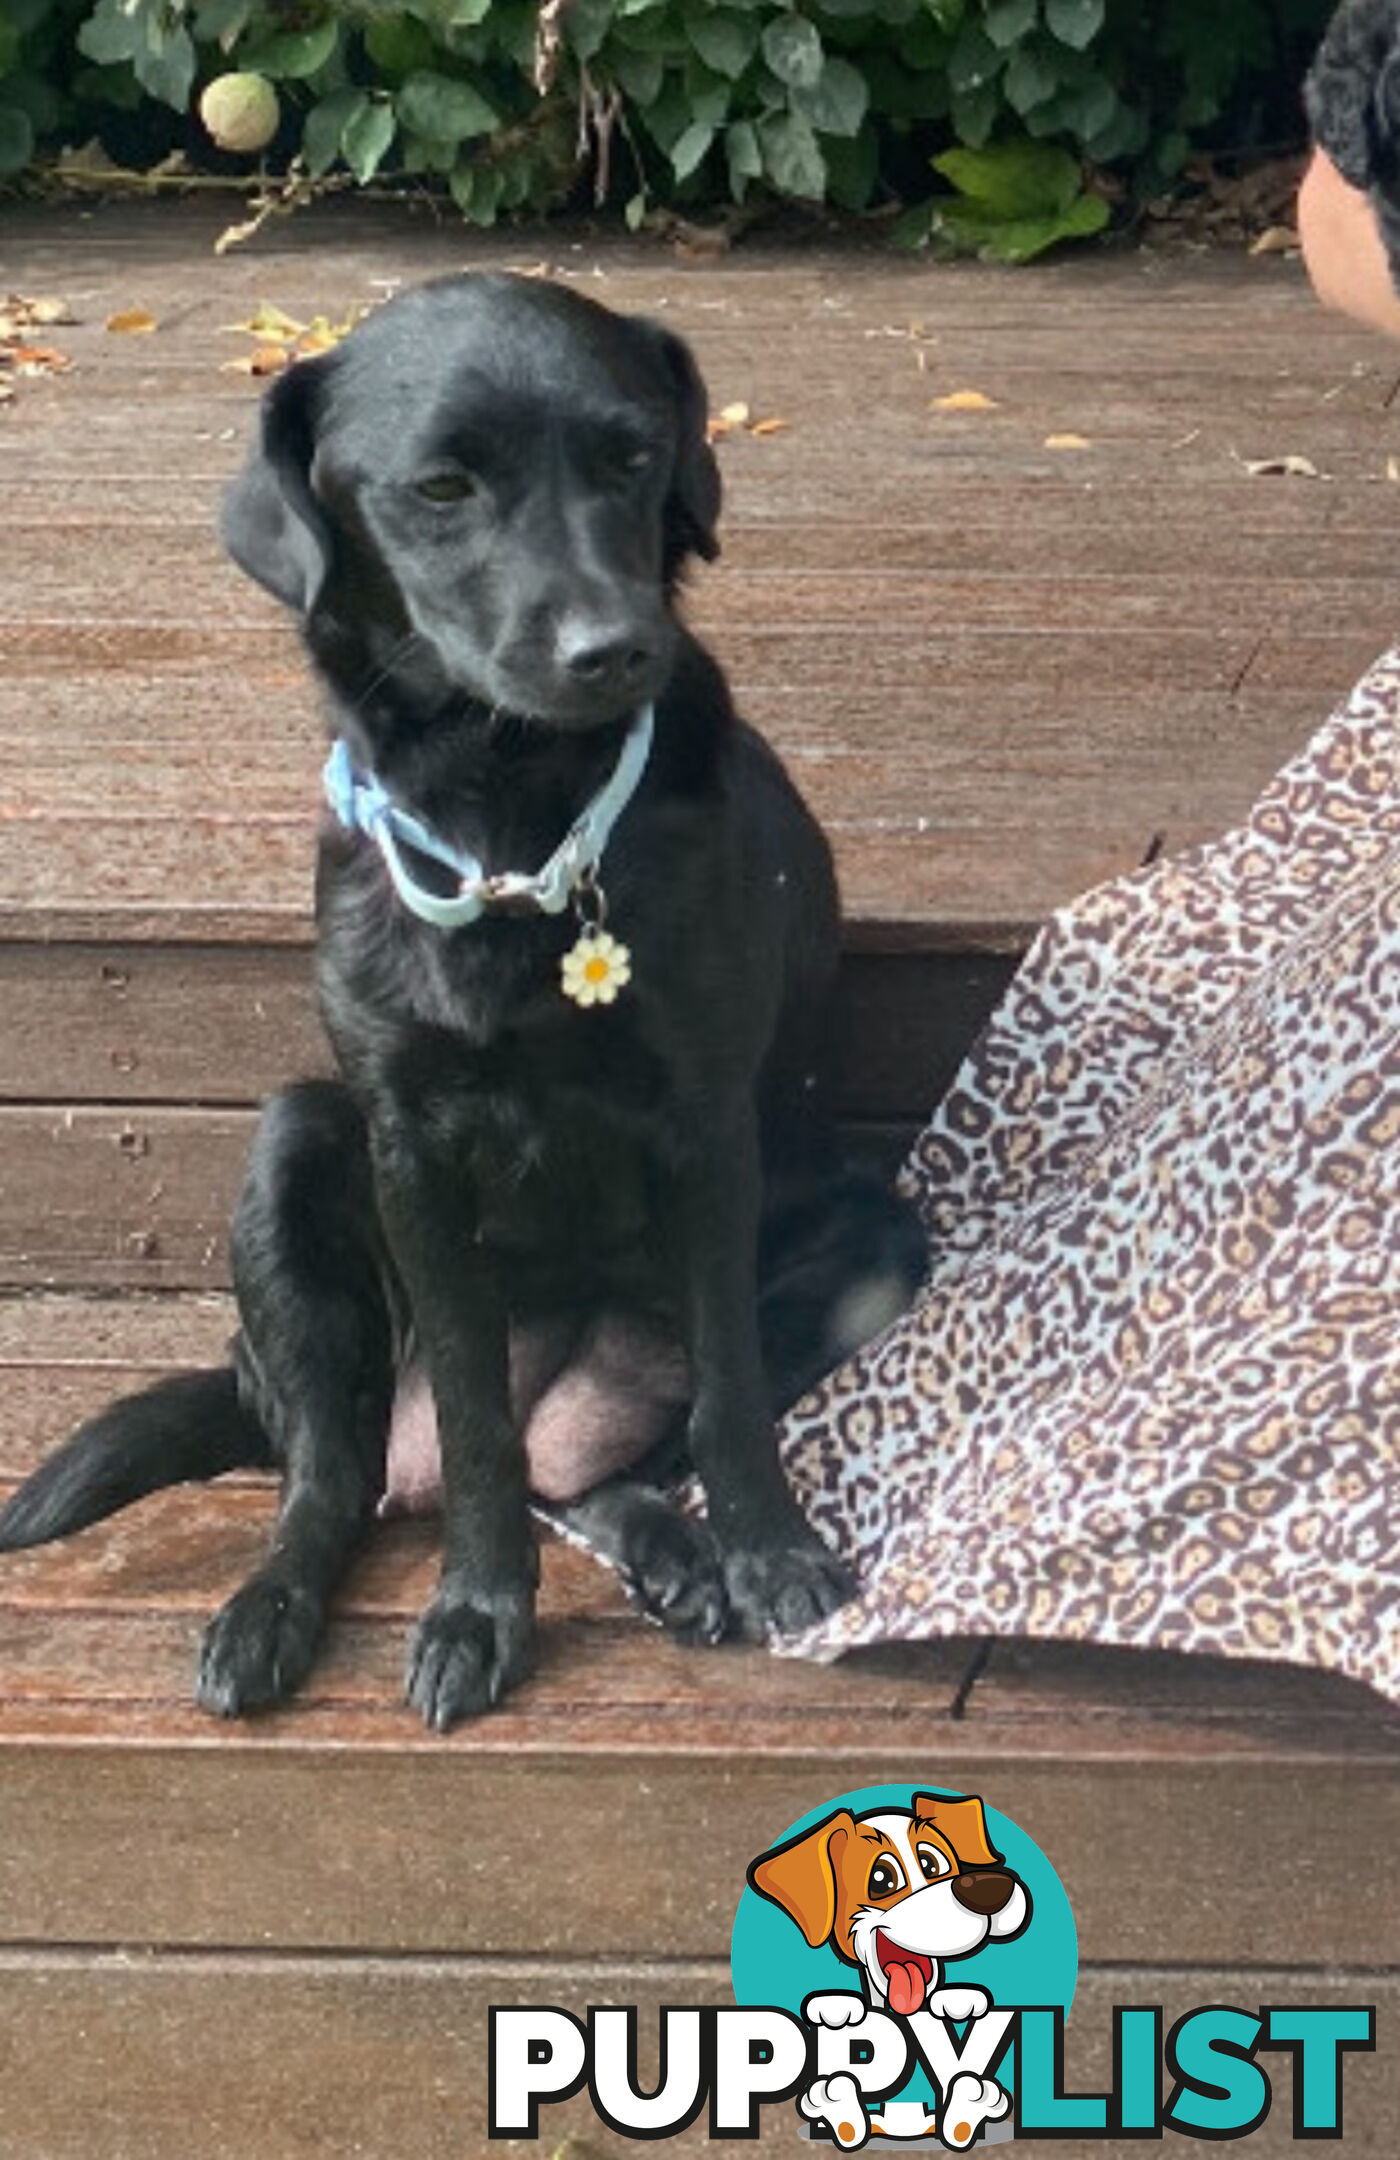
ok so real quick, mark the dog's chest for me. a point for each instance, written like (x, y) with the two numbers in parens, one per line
(554, 1116)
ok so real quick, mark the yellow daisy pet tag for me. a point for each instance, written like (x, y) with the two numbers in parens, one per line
(595, 968)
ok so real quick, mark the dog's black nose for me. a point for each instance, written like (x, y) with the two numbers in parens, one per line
(984, 1890)
(604, 656)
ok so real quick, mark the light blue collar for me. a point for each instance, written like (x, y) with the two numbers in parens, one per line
(363, 804)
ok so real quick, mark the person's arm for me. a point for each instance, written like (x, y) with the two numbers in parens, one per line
(1342, 248)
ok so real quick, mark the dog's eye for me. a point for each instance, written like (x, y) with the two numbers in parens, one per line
(886, 1877)
(629, 461)
(446, 487)
(932, 1862)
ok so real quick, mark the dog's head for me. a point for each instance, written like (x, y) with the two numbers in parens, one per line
(898, 1891)
(491, 488)
(1352, 93)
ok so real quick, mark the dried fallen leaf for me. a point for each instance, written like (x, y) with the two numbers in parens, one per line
(131, 322)
(6, 391)
(1068, 442)
(20, 312)
(1392, 468)
(963, 401)
(37, 360)
(269, 324)
(265, 360)
(734, 415)
(1276, 240)
(772, 426)
(1291, 467)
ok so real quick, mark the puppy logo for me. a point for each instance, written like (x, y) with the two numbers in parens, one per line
(902, 1895)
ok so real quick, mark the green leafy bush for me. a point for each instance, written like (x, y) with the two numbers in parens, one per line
(519, 104)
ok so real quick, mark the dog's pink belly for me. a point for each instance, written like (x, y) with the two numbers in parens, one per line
(588, 1407)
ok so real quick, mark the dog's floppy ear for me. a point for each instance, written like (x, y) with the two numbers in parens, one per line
(271, 523)
(963, 1823)
(801, 1875)
(692, 509)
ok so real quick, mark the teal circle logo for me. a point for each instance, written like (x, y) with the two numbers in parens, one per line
(926, 1906)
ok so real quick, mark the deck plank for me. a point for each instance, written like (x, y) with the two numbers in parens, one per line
(1211, 1762)
(185, 2057)
(1022, 669)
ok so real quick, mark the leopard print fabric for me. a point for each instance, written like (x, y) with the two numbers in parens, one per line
(1151, 1393)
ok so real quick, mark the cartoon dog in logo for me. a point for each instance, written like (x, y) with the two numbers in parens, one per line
(899, 1893)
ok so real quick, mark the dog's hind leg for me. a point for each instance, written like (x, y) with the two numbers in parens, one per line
(316, 1358)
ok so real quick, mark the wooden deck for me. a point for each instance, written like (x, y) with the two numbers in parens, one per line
(1000, 671)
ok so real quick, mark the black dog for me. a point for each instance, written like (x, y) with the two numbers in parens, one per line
(1353, 101)
(591, 1226)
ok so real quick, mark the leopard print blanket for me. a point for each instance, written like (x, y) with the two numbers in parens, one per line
(1151, 1392)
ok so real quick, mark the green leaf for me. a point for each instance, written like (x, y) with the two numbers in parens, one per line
(320, 135)
(792, 47)
(167, 65)
(221, 22)
(1075, 22)
(975, 113)
(975, 61)
(1013, 179)
(911, 229)
(744, 156)
(725, 41)
(1031, 77)
(792, 156)
(1123, 136)
(852, 168)
(397, 44)
(111, 34)
(840, 101)
(16, 139)
(975, 230)
(477, 191)
(584, 22)
(637, 75)
(44, 105)
(1089, 110)
(1008, 21)
(444, 109)
(634, 211)
(707, 95)
(366, 137)
(293, 54)
(689, 150)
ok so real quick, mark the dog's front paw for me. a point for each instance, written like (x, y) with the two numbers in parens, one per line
(959, 2003)
(466, 1651)
(781, 1589)
(259, 1648)
(672, 1567)
(835, 2010)
(836, 2101)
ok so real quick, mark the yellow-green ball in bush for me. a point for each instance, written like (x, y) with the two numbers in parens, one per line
(240, 112)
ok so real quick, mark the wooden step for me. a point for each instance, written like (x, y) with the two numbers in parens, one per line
(306, 1916)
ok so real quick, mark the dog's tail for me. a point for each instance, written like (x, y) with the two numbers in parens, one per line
(191, 1425)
